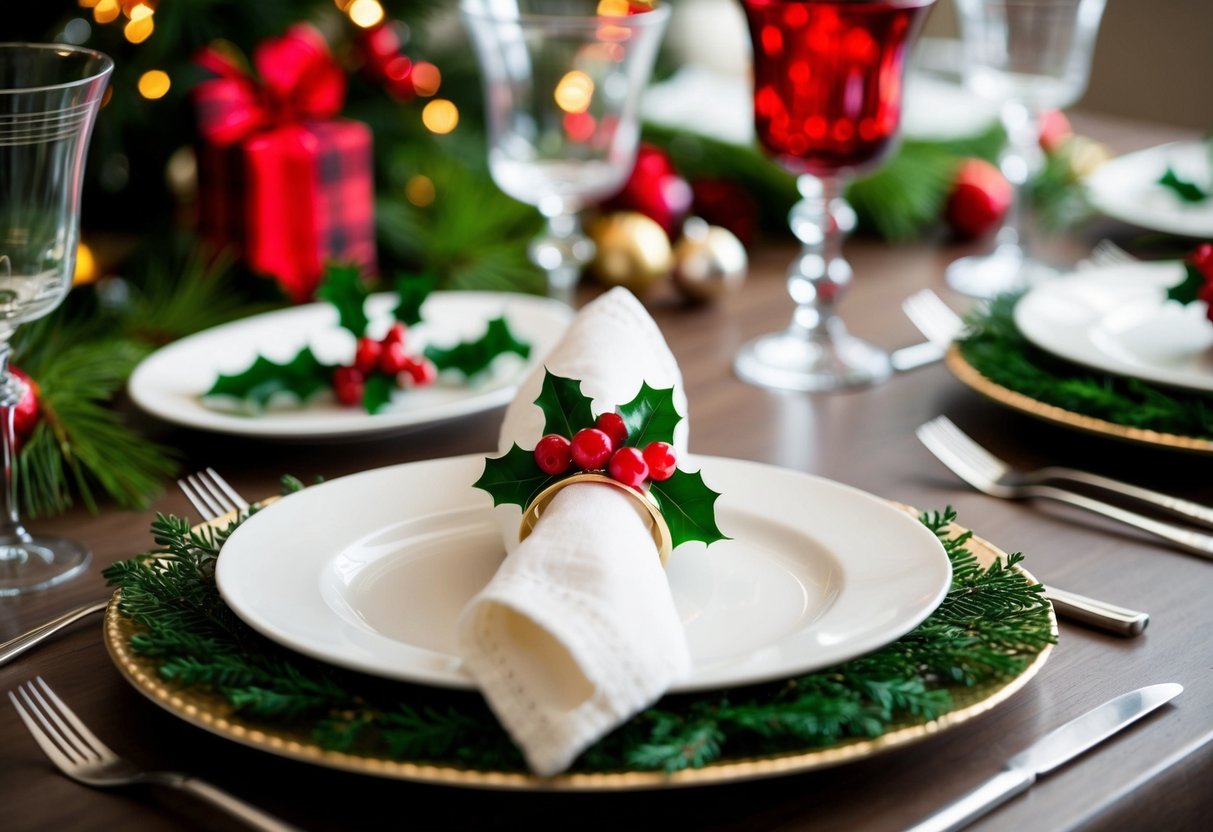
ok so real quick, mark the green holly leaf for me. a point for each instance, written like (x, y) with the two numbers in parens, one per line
(377, 392)
(475, 356)
(1186, 190)
(566, 409)
(303, 375)
(344, 289)
(412, 289)
(514, 479)
(688, 506)
(651, 416)
(1189, 288)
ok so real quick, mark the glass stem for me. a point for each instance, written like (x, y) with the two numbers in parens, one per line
(561, 252)
(11, 391)
(1020, 161)
(820, 275)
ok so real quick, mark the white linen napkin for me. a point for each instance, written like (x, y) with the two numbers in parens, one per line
(577, 631)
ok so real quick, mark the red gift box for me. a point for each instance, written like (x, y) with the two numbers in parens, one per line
(280, 181)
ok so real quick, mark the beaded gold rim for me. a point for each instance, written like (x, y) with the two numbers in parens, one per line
(657, 525)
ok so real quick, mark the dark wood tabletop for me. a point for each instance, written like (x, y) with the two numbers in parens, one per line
(1154, 775)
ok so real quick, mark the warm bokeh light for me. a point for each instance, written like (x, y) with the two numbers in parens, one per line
(440, 116)
(419, 190)
(106, 11)
(140, 11)
(139, 29)
(574, 92)
(365, 13)
(613, 8)
(88, 4)
(154, 84)
(342, 5)
(426, 79)
(86, 266)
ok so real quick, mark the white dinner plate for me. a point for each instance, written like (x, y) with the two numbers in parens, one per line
(371, 572)
(1127, 189)
(169, 383)
(1118, 319)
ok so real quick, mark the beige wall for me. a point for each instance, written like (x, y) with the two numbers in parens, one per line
(1153, 60)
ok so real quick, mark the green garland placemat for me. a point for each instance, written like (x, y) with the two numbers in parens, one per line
(173, 637)
(998, 361)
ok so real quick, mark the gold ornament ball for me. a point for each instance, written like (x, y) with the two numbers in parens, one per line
(632, 250)
(709, 261)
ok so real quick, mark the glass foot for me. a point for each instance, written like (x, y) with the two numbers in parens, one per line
(1005, 270)
(793, 360)
(35, 562)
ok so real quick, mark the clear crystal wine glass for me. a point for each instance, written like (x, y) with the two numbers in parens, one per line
(49, 97)
(828, 78)
(562, 83)
(1027, 56)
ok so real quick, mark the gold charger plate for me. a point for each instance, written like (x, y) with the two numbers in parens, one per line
(968, 375)
(211, 712)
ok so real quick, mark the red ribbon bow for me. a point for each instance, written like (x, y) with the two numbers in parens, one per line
(297, 79)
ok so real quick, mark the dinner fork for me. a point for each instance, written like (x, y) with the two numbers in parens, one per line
(934, 318)
(77, 752)
(1107, 253)
(956, 451)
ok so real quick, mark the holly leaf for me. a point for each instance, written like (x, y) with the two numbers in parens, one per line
(343, 288)
(688, 506)
(475, 356)
(651, 416)
(566, 409)
(1189, 288)
(412, 289)
(514, 479)
(377, 392)
(1186, 190)
(303, 375)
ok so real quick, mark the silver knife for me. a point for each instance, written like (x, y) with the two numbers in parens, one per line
(1050, 751)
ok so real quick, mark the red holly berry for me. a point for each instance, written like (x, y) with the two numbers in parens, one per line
(421, 371)
(25, 412)
(1202, 259)
(979, 200)
(612, 425)
(1055, 130)
(393, 359)
(591, 449)
(366, 355)
(628, 466)
(348, 385)
(395, 335)
(660, 458)
(553, 454)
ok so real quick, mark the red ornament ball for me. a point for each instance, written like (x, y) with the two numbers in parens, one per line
(612, 425)
(660, 458)
(979, 200)
(25, 412)
(591, 449)
(655, 189)
(553, 454)
(628, 467)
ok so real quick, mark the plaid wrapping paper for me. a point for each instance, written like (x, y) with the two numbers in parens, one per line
(291, 199)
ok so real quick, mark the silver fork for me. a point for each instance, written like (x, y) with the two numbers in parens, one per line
(210, 495)
(934, 318)
(960, 454)
(77, 752)
(1107, 253)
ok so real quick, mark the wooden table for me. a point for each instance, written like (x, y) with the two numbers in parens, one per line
(1154, 775)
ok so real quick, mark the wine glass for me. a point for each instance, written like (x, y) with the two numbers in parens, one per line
(828, 78)
(49, 97)
(1027, 56)
(562, 83)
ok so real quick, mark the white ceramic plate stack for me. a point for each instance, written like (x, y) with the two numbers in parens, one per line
(1127, 189)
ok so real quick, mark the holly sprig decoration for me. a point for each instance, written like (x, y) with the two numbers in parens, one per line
(1198, 278)
(378, 366)
(633, 444)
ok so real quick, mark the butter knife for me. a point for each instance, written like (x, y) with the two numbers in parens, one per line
(1049, 752)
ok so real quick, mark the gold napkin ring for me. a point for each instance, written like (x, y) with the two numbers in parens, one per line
(657, 524)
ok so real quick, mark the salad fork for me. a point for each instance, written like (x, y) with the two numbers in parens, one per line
(940, 437)
(81, 755)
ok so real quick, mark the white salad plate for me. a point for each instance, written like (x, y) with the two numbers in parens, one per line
(1126, 188)
(170, 383)
(1118, 319)
(372, 571)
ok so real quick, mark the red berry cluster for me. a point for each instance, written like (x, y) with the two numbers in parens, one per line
(386, 356)
(603, 447)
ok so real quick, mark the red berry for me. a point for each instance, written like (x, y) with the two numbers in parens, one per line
(25, 412)
(553, 454)
(348, 385)
(628, 466)
(395, 335)
(422, 371)
(660, 458)
(393, 359)
(612, 425)
(366, 355)
(591, 449)
(979, 200)
(1055, 130)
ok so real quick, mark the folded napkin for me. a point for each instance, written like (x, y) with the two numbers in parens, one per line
(577, 631)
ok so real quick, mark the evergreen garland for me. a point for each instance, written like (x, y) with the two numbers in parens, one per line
(991, 624)
(996, 349)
